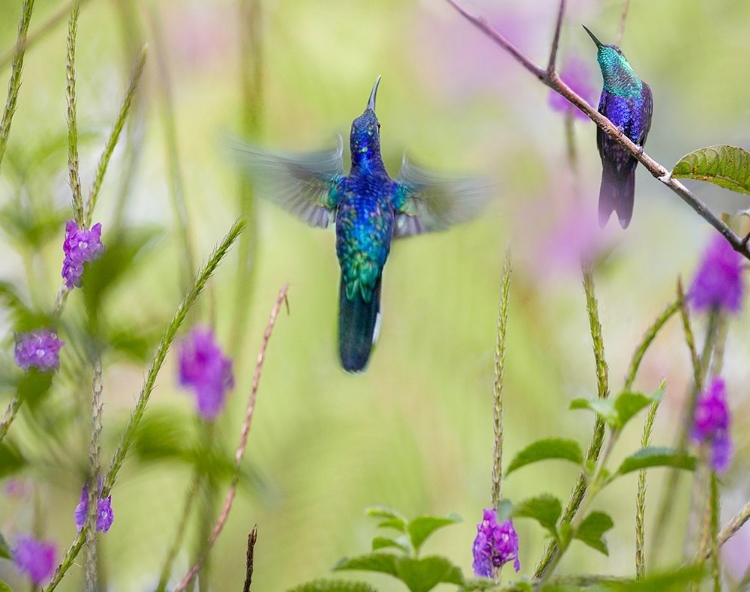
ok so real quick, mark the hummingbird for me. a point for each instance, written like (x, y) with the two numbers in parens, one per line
(369, 210)
(628, 103)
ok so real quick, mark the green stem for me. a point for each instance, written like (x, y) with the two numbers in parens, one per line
(94, 469)
(75, 178)
(716, 563)
(640, 502)
(128, 435)
(15, 75)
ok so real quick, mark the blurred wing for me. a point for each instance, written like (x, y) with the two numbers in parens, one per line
(303, 183)
(428, 202)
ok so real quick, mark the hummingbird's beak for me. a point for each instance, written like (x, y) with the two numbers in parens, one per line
(373, 94)
(598, 43)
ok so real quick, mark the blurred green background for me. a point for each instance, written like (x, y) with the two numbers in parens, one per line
(415, 431)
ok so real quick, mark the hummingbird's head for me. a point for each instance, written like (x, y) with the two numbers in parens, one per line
(365, 136)
(619, 77)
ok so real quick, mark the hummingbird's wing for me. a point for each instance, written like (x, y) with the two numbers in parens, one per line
(427, 202)
(303, 183)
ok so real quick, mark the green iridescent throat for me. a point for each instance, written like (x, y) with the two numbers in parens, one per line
(619, 78)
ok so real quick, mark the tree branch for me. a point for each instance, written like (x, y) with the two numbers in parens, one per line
(229, 499)
(553, 81)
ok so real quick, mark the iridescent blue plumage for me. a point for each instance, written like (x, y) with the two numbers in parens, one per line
(369, 209)
(628, 103)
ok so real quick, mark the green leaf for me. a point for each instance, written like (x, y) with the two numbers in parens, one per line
(591, 531)
(551, 448)
(388, 543)
(11, 459)
(390, 518)
(5, 552)
(330, 586)
(604, 408)
(419, 575)
(4, 587)
(422, 527)
(674, 581)
(628, 404)
(477, 584)
(654, 456)
(34, 386)
(725, 166)
(545, 509)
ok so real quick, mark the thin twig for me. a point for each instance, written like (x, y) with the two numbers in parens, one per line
(251, 540)
(14, 86)
(553, 81)
(239, 454)
(623, 18)
(551, 65)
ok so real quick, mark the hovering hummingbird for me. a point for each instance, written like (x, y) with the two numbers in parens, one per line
(628, 103)
(369, 210)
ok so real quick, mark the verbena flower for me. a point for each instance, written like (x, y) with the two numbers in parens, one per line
(711, 421)
(80, 246)
(576, 74)
(104, 515)
(206, 370)
(494, 545)
(35, 558)
(38, 349)
(718, 282)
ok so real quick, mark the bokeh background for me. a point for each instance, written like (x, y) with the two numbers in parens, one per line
(415, 431)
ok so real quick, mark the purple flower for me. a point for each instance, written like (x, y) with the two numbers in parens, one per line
(80, 246)
(576, 74)
(718, 283)
(711, 421)
(104, 517)
(38, 349)
(205, 369)
(494, 545)
(35, 558)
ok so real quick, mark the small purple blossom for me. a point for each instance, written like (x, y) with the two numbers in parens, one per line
(494, 545)
(35, 558)
(205, 369)
(718, 282)
(711, 421)
(576, 74)
(104, 516)
(38, 349)
(80, 246)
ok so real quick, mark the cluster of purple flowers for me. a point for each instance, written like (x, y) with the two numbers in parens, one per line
(38, 349)
(104, 516)
(35, 558)
(711, 425)
(494, 545)
(80, 246)
(718, 282)
(206, 370)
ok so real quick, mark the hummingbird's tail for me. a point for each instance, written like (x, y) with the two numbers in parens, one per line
(617, 193)
(358, 320)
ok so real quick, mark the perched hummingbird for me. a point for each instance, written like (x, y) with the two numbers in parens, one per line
(369, 209)
(628, 103)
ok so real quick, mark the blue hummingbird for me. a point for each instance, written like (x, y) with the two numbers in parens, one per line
(628, 103)
(369, 210)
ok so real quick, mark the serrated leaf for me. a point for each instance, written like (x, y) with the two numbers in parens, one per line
(419, 575)
(656, 456)
(545, 509)
(604, 408)
(11, 459)
(551, 448)
(391, 518)
(627, 404)
(591, 531)
(675, 581)
(422, 527)
(377, 562)
(5, 551)
(725, 166)
(333, 586)
(388, 543)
